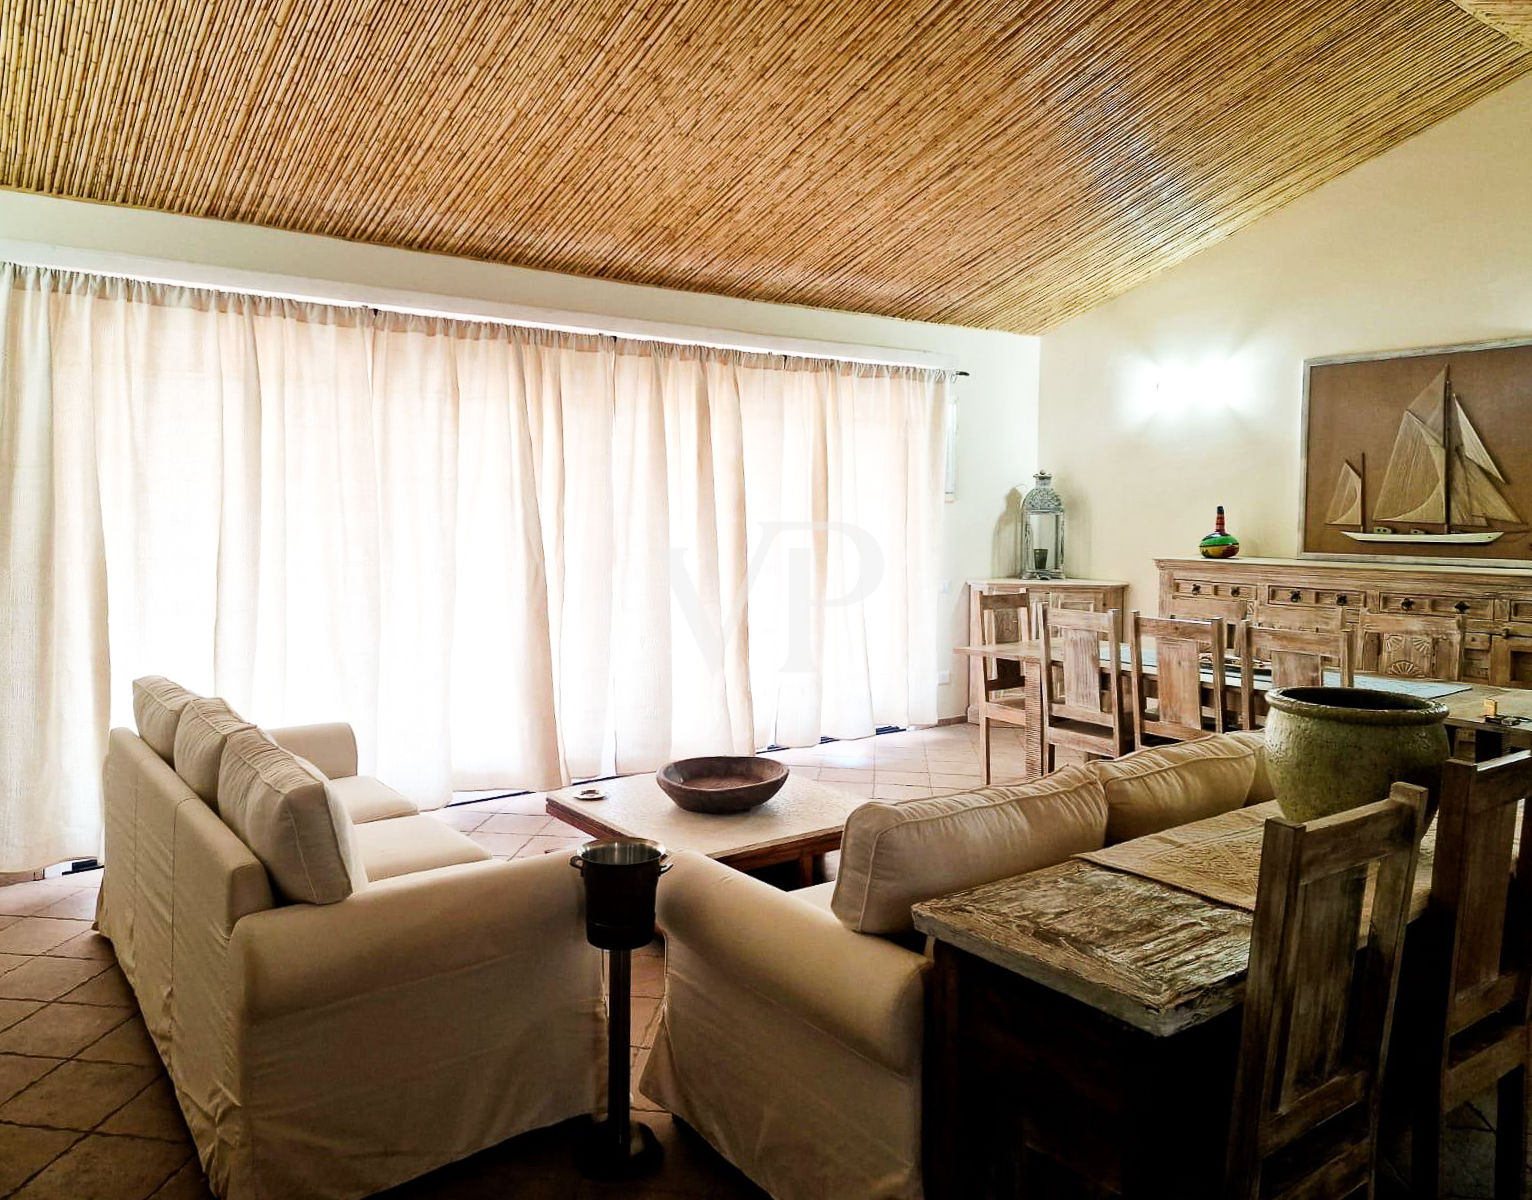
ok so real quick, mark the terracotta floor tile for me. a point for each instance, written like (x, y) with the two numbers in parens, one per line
(79, 906)
(128, 1043)
(186, 1184)
(38, 935)
(46, 978)
(24, 1151)
(537, 803)
(12, 1011)
(855, 789)
(465, 820)
(20, 1071)
(60, 1030)
(524, 824)
(845, 774)
(899, 791)
(24, 899)
(77, 1095)
(956, 783)
(107, 1168)
(109, 987)
(153, 1113)
(502, 844)
(911, 778)
(11, 961)
(89, 944)
(552, 845)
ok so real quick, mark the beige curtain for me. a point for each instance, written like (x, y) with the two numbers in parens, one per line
(509, 557)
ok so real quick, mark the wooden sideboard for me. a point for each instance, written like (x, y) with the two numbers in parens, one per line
(1099, 595)
(1495, 605)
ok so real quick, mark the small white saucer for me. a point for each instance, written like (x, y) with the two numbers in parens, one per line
(590, 793)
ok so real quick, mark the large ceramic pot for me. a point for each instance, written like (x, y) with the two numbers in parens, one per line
(1330, 749)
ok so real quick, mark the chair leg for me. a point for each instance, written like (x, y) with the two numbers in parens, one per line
(1511, 1135)
(984, 741)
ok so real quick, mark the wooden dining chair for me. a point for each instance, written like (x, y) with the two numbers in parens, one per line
(1206, 608)
(1317, 1012)
(1294, 658)
(1003, 617)
(1299, 618)
(1078, 712)
(1409, 646)
(1176, 712)
(1477, 974)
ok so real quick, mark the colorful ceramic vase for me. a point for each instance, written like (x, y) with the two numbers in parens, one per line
(1220, 543)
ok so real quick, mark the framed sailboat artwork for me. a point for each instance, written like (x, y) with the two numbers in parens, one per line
(1420, 456)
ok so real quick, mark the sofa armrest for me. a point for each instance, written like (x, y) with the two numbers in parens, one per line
(861, 990)
(331, 747)
(398, 931)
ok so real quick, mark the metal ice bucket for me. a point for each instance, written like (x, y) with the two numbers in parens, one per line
(621, 876)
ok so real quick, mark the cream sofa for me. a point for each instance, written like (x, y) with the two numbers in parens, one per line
(438, 1003)
(791, 1031)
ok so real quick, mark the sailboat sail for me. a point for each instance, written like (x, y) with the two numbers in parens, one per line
(1413, 483)
(1346, 504)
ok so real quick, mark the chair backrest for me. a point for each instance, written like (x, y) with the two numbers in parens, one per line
(1415, 647)
(1179, 713)
(1295, 658)
(1300, 618)
(1318, 1013)
(1479, 907)
(1003, 617)
(1205, 608)
(1086, 643)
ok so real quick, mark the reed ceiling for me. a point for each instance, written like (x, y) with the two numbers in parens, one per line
(999, 163)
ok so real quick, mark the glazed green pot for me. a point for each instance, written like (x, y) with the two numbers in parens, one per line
(1330, 749)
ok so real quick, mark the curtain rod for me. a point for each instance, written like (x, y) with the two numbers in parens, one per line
(309, 290)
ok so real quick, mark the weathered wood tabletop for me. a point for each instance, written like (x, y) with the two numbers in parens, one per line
(1157, 956)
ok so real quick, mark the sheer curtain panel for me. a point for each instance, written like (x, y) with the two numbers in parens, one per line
(509, 557)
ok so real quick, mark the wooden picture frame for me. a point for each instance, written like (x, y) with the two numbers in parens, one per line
(1419, 456)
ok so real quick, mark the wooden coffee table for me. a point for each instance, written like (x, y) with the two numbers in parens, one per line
(800, 824)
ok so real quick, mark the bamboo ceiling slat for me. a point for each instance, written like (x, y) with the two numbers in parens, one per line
(1002, 163)
(1511, 17)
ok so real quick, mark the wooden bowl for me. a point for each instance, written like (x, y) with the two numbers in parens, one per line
(722, 783)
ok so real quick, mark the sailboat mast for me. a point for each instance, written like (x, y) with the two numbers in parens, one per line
(1447, 450)
(1361, 510)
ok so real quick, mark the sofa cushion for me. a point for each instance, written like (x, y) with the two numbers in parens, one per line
(367, 799)
(204, 727)
(282, 811)
(404, 845)
(1261, 787)
(896, 855)
(1165, 786)
(157, 705)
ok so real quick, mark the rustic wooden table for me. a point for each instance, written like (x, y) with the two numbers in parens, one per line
(1464, 708)
(1096, 1013)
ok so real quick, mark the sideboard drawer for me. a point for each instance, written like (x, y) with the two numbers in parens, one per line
(1520, 610)
(1212, 589)
(1437, 605)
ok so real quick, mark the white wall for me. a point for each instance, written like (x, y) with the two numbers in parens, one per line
(998, 401)
(1429, 244)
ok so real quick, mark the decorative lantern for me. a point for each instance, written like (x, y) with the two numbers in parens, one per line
(1042, 531)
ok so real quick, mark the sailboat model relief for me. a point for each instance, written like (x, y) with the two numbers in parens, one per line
(1439, 473)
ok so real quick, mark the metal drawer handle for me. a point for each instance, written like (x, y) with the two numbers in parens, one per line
(1234, 591)
(1196, 588)
(1406, 604)
(1461, 606)
(1343, 599)
(1295, 596)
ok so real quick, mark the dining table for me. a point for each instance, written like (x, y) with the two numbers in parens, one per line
(1475, 734)
(1084, 1019)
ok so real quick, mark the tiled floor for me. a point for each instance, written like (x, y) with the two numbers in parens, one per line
(86, 1112)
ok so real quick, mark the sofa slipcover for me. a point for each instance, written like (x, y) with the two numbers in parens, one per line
(157, 705)
(201, 734)
(1164, 786)
(896, 855)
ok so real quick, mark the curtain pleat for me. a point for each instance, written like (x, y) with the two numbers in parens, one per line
(509, 557)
